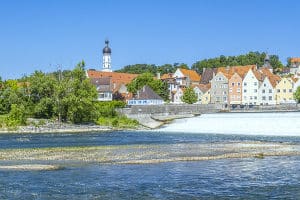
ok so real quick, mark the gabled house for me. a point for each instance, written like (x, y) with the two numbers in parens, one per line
(250, 86)
(235, 89)
(207, 75)
(206, 96)
(186, 77)
(284, 91)
(104, 88)
(171, 82)
(118, 81)
(146, 96)
(266, 93)
(202, 93)
(295, 67)
(219, 89)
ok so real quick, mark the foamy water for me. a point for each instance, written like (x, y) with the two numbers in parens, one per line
(279, 124)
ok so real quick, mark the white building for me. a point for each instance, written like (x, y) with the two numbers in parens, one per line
(266, 93)
(250, 88)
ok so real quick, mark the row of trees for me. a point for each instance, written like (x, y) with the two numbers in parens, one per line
(69, 97)
(251, 58)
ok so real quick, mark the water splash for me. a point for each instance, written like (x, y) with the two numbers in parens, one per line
(275, 124)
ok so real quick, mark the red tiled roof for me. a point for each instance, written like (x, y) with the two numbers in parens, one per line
(166, 76)
(240, 70)
(193, 75)
(295, 60)
(116, 77)
(274, 79)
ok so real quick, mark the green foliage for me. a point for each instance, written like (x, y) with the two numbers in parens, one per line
(158, 86)
(118, 122)
(297, 95)
(17, 116)
(152, 69)
(189, 96)
(76, 97)
(250, 58)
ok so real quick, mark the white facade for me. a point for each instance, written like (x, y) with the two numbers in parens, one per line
(179, 77)
(106, 62)
(199, 94)
(178, 95)
(266, 93)
(145, 102)
(250, 89)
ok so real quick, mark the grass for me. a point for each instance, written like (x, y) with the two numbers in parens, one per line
(117, 122)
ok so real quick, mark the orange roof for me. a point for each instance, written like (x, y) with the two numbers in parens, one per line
(166, 76)
(193, 75)
(274, 79)
(116, 77)
(295, 60)
(240, 70)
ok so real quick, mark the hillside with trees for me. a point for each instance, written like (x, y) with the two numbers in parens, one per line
(251, 58)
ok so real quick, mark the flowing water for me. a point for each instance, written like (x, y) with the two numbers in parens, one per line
(239, 178)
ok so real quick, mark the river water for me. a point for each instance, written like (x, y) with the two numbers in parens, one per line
(247, 178)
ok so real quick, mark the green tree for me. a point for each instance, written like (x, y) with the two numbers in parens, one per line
(189, 96)
(16, 116)
(77, 97)
(157, 86)
(297, 95)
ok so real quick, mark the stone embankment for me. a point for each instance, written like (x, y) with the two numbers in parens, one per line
(154, 116)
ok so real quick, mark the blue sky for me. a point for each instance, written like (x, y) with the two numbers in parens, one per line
(40, 35)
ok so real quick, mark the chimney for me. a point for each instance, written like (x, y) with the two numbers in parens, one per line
(158, 75)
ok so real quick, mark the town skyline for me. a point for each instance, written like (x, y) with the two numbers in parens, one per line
(63, 33)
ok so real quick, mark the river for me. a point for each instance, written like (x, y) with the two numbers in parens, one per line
(273, 177)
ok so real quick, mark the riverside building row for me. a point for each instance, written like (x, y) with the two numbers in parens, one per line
(231, 85)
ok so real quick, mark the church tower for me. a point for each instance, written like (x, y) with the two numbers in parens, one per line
(106, 60)
(267, 63)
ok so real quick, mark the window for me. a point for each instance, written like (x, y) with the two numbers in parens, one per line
(224, 92)
(245, 97)
(270, 97)
(232, 84)
(278, 90)
(270, 91)
(245, 84)
(230, 91)
(224, 98)
(263, 98)
(255, 83)
(265, 85)
(232, 97)
(255, 97)
(245, 91)
(255, 90)
(284, 90)
(220, 78)
(239, 84)
(239, 90)
(263, 91)
(290, 90)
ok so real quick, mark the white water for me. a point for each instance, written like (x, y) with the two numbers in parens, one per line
(279, 124)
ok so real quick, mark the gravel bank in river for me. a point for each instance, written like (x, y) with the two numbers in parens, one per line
(145, 154)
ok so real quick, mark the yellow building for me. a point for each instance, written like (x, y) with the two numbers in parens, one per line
(284, 91)
(206, 97)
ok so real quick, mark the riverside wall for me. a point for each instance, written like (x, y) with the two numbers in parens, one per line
(171, 109)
